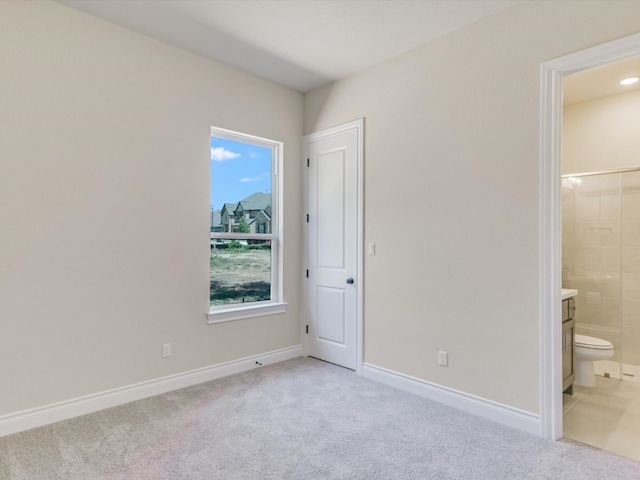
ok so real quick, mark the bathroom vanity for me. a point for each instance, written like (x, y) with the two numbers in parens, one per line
(568, 330)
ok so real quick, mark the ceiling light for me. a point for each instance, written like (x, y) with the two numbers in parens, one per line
(629, 81)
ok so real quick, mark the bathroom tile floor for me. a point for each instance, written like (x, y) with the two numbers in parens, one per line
(606, 416)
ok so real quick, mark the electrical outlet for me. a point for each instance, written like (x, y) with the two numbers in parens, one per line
(443, 359)
(166, 350)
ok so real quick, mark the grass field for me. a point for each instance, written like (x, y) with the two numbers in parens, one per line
(240, 275)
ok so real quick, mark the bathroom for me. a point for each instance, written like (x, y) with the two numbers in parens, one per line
(601, 253)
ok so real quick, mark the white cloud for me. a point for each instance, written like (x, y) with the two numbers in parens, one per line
(219, 154)
(250, 179)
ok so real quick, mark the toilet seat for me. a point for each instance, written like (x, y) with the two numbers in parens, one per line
(591, 342)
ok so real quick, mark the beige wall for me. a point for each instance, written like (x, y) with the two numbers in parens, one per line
(601, 134)
(104, 205)
(452, 132)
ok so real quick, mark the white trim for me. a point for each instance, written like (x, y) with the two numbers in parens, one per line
(357, 125)
(242, 137)
(550, 266)
(497, 412)
(242, 311)
(37, 417)
(550, 247)
(304, 320)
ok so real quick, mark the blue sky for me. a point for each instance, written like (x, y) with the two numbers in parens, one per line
(238, 170)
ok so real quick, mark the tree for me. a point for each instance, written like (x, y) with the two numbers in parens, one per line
(243, 226)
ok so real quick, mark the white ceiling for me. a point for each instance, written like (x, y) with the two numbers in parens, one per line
(600, 82)
(300, 44)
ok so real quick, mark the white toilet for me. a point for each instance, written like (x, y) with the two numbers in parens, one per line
(587, 350)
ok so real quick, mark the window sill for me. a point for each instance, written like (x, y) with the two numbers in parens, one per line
(241, 312)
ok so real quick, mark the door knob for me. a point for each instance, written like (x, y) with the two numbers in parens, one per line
(350, 281)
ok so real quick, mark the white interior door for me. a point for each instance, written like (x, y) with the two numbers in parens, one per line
(333, 283)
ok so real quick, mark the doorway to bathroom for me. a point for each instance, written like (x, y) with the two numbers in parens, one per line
(601, 253)
(553, 165)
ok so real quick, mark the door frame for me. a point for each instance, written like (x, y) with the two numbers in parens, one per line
(358, 126)
(550, 220)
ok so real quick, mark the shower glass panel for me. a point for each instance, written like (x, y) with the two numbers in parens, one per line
(601, 259)
(630, 242)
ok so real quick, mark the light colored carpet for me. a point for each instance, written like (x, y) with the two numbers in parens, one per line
(299, 419)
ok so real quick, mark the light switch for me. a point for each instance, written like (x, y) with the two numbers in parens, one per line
(371, 250)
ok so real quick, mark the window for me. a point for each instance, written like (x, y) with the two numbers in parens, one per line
(246, 228)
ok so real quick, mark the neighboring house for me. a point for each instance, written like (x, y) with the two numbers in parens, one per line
(228, 218)
(216, 220)
(261, 223)
(256, 210)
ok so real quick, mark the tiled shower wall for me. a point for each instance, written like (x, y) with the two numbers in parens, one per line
(601, 257)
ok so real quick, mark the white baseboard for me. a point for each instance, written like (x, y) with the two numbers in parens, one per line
(513, 417)
(37, 417)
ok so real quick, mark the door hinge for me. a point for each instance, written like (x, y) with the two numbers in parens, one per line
(307, 329)
(307, 162)
(307, 273)
(307, 218)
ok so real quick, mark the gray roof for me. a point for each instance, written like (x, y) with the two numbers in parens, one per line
(215, 218)
(230, 207)
(257, 201)
(260, 214)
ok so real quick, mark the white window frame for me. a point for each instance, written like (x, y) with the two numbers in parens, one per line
(238, 311)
